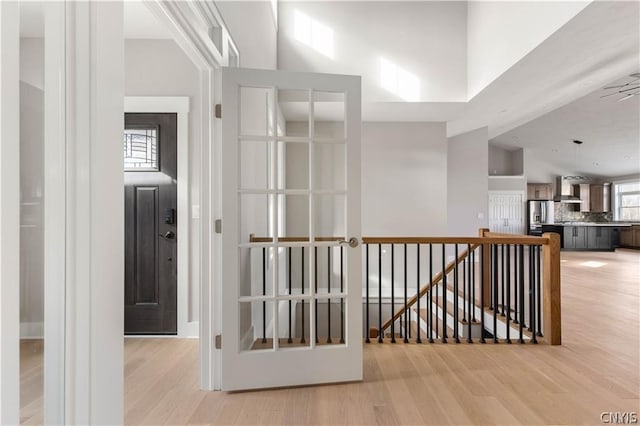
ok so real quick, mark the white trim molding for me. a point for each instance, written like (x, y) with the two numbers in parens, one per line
(94, 353)
(179, 105)
(9, 213)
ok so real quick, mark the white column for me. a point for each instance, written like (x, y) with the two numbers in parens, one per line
(95, 222)
(9, 213)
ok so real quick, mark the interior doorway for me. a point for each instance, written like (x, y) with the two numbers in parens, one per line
(150, 181)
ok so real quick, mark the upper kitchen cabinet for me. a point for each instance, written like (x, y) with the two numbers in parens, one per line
(600, 197)
(539, 191)
(583, 191)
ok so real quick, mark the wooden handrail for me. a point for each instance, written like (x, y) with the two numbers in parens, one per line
(516, 239)
(487, 238)
(423, 291)
(254, 239)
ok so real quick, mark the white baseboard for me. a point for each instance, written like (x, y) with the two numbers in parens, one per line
(191, 331)
(31, 330)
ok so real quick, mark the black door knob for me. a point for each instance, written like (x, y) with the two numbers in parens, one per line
(169, 235)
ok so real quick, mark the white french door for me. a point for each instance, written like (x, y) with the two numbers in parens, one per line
(506, 212)
(291, 282)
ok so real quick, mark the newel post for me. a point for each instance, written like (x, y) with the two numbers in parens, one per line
(486, 268)
(551, 290)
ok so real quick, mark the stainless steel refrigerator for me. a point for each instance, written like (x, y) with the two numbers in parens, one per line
(538, 213)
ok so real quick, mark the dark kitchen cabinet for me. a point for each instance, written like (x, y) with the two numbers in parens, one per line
(575, 237)
(599, 238)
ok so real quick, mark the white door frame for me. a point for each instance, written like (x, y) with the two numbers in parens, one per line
(192, 25)
(180, 106)
(55, 233)
(9, 213)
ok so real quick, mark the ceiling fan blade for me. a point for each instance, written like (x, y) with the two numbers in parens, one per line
(635, 87)
(615, 87)
(629, 96)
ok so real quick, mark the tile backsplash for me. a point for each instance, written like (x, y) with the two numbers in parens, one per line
(564, 212)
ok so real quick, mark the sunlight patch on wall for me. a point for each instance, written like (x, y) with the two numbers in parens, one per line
(399, 81)
(313, 34)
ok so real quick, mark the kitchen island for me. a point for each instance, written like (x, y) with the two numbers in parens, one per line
(599, 236)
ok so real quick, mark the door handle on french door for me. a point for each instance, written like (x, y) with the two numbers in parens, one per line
(353, 242)
(169, 235)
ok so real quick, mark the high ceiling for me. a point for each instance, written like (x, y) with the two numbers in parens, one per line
(608, 127)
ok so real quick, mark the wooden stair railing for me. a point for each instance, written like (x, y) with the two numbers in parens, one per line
(425, 289)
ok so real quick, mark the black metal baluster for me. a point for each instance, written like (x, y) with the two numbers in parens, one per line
(538, 283)
(464, 286)
(379, 293)
(532, 323)
(531, 288)
(289, 340)
(407, 331)
(430, 304)
(418, 339)
(328, 292)
(502, 279)
(515, 285)
(393, 300)
(315, 275)
(302, 339)
(367, 338)
(431, 297)
(456, 330)
(521, 291)
(508, 292)
(264, 293)
(473, 285)
(342, 291)
(492, 275)
(468, 283)
(483, 254)
(444, 297)
(495, 293)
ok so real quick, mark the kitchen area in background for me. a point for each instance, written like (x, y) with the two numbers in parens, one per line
(581, 211)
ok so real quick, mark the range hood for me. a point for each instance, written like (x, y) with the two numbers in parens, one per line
(564, 188)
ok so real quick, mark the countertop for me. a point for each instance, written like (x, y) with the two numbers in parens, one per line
(615, 224)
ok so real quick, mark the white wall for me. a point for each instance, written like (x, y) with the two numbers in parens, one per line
(253, 29)
(160, 68)
(541, 171)
(426, 39)
(467, 182)
(404, 179)
(500, 33)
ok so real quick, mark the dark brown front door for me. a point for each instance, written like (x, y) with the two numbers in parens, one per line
(150, 173)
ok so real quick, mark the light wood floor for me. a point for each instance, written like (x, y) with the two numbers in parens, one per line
(596, 369)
